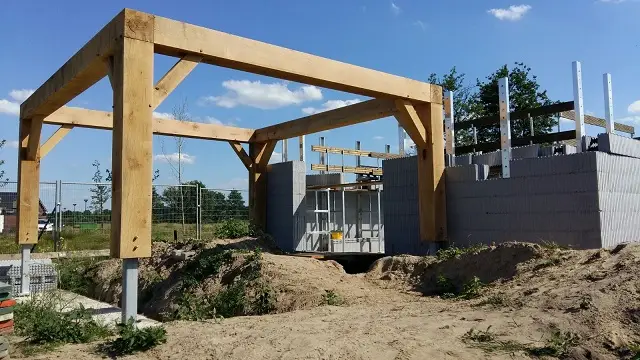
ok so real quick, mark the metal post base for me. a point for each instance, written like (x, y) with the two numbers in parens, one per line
(25, 269)
(129, 290)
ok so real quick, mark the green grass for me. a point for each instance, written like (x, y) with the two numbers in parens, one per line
(454, 252)
(330, 297)
(448, 290)
(132, 339)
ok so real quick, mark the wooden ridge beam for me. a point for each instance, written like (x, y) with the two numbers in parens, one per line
(174, 38)
(242, 154)
(345, 151)
(349, 115)
(54, 139)
(347, 169)
(174, 77)
(96, 119)
(596, 121)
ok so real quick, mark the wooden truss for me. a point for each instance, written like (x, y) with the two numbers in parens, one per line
(124, 51)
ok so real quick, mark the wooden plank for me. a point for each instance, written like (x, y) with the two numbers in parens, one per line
(174, 77)
(432, 204)
(28, 201)
(345, 151)
(523, 141)
(33, 142)
(596, 121)
(347, 169)
(239, 150)
(349, 115)
(340, 186)
(94, 119)
(260, 154)
(410, 122)
(175, 38)
(516, 115)
(54, 139)
(132, 152)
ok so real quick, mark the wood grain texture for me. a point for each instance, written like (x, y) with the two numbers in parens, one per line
(28, 201)
(174, 77)
(242, 154)
(260, 154)
(54, 139)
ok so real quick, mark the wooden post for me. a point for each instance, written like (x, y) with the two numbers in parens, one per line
(133, 100)
(260, 154)
(28, 183)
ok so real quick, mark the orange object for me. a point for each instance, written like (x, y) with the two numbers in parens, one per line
(6, 324)
(7, 303)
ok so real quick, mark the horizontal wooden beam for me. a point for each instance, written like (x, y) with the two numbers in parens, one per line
(344, 151)
(342, 186)
(523, 141)
(349, 115)
(516, 115)
(175, 38)
(95, 119)
(347, 169)
(596, 121)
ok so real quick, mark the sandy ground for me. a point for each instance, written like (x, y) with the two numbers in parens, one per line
(592, 294)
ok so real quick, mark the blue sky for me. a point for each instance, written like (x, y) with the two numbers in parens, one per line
(406, 37)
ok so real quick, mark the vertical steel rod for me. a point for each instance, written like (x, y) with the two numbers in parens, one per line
(449, 130)
(505, 126)
(578, 104)
(608, 102)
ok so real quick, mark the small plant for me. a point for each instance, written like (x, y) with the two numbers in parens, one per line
(495, 300)
(454, 252)
(558, 344)
(552, 245)
(72, 274)
(46, 321)
(480, 335)
(330, 297)
(232, 229)
(445, 287)
(132, 339)
(264, 301)
(489, 342)
(553, 261)
(471, 289)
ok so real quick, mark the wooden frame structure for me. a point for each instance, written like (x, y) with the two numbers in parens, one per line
(124, 51)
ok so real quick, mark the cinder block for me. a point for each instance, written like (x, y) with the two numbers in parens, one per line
(525, 152)
(619, 145)
(461, 173)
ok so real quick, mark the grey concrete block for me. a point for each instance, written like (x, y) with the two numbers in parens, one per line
(492, 158)
(525, 152)
(464, 173)
(619, 145)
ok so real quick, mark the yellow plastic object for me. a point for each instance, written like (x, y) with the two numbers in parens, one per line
(336, 235)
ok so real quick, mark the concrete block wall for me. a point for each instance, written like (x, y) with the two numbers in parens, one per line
(286, 187)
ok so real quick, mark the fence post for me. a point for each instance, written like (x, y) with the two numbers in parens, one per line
(505, 126)
(449, 130)
(578, 104)
(608, 102)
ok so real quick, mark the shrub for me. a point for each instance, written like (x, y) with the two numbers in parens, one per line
(330, 297)
(447, 290)
(264, 301)
(558, 344)
(454, 252)
(471, 289)
(232, 229)
(72, 274)
(445, 287)
(132, 339)
(44, 320)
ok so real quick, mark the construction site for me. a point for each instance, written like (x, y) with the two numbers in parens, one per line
(519, 248)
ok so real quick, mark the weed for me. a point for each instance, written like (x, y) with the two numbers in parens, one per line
(553, 261)
(489, 342)
(232, 229)
(552, 245)
(231, 300)
(454, 252)
(72, 274)
(495, 300)
(558, 344)
(46, 321)
(264, 301)
(445, 287)
(330, 297)
(131, 339)
(471, 289)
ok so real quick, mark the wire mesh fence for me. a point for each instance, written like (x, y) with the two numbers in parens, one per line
(175, 212)
(219, 205)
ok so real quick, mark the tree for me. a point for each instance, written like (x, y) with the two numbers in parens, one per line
(182, 200)
(524, 93)
(236, 207)
(180, 113)
(100, 192)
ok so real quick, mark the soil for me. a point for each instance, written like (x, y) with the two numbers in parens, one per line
(588, 301)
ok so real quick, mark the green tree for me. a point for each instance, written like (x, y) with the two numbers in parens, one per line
(181, 202)
(235, 205)
(524, 93)
(101, 191)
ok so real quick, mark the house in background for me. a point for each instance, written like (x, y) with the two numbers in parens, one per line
(8, 210)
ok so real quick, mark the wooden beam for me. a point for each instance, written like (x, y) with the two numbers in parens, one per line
(94, 119)
(28, 201)
(132, 151)
(596, 121)
(345, 151)
(174, 38)
(411, 122)
(33, 142)
(432, 203)
(108, 63)
(54, 139)
(347, 169)
(239, 150)
(174, 77)
(327, 120)
(260, 154)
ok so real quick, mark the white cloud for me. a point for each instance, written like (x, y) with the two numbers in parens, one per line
(378, 137)
(163, 115)
(186, 158)
(330, 105)
(634, 108)
(9, 107)
(395, 9)
(420, 24)
(513, 13)
(262, 96)
(21, 95)
(629, 120)
(276, 157)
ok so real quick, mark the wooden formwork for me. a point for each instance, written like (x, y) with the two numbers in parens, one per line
(124, 51)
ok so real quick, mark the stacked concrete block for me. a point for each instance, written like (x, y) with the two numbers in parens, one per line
(465, 159)
(286, 189)
(619, 145)
(525, 152)
(491, 159)
(324, 179)
(43, 276)
(7, 304)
